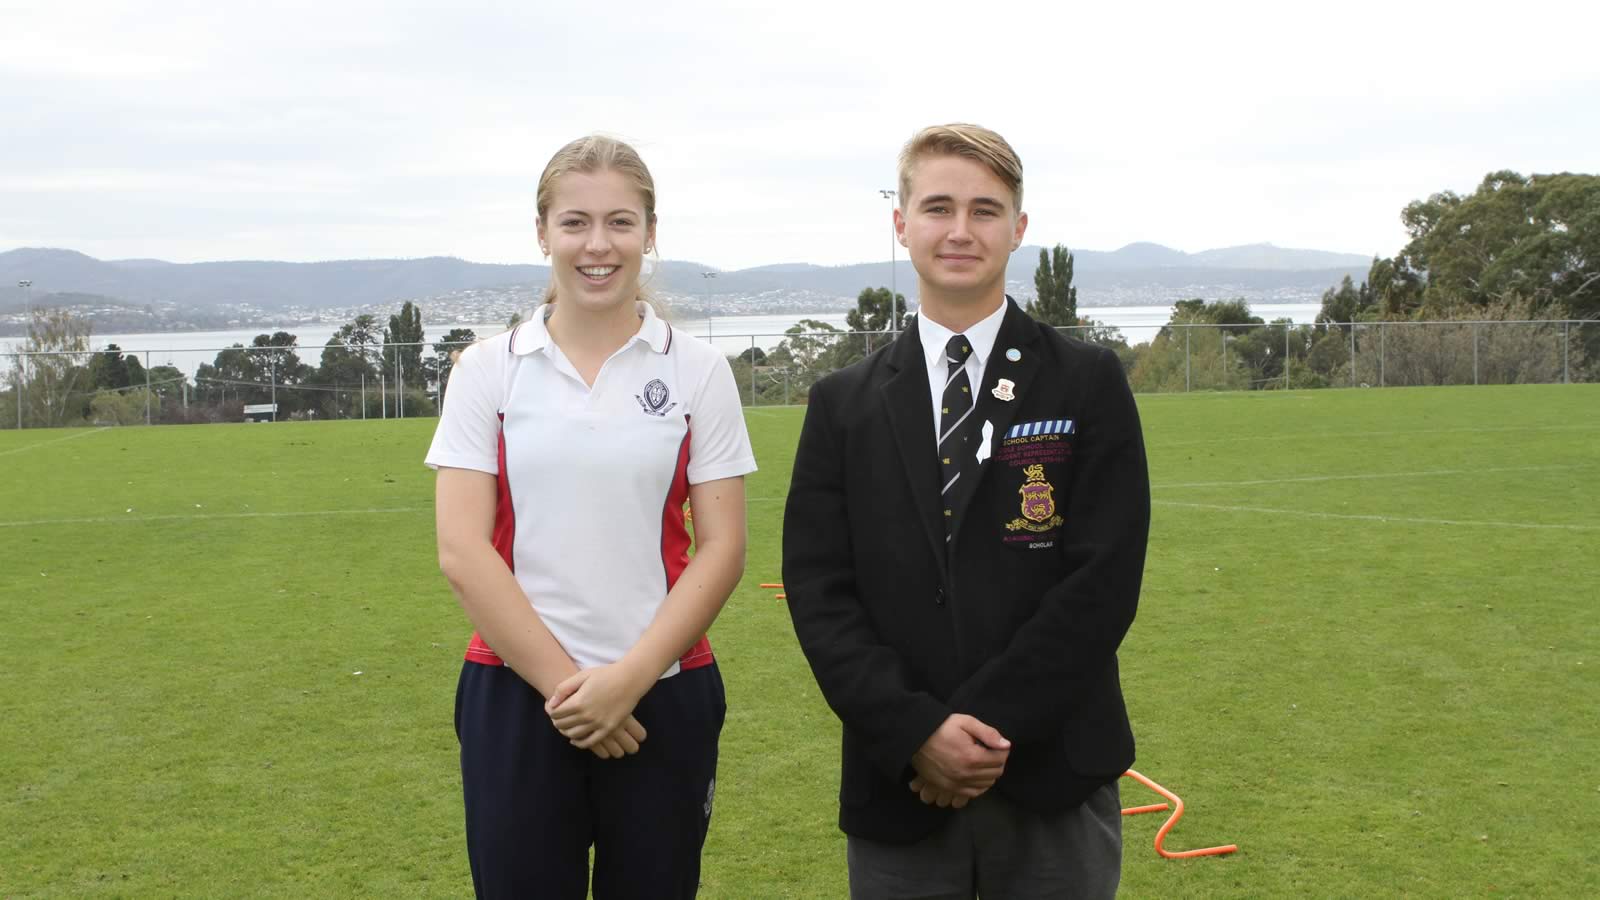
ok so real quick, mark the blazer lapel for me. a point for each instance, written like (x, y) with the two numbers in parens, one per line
(1018, 331)
(910, 411)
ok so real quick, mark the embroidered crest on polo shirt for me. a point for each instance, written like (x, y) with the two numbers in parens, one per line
(654, 399)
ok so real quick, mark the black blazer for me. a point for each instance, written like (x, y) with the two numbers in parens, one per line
(1020, 626)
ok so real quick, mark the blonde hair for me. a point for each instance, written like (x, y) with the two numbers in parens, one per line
(596, 153)
(972, 142)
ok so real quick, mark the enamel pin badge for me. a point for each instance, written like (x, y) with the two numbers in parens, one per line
(1002, 390)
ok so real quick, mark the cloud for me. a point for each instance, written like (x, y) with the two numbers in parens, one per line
(360, 129)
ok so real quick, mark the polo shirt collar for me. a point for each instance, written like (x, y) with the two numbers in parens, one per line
(532, 335)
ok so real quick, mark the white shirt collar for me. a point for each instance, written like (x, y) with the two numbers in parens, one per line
(533, 333)
(981, 336)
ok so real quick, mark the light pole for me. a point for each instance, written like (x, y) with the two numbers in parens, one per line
(704, 276)
(894, 296)
(27, 304)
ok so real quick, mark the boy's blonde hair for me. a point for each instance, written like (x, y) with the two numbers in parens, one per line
(972, 142)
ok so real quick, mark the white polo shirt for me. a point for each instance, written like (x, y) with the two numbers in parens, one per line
(592, 482)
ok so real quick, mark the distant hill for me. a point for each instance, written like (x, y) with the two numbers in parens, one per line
(358, 283)
(1266, 256)
(269, 285)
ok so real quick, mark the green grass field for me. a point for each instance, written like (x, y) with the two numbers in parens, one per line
(1367, 652)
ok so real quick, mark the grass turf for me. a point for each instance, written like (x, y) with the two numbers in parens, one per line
(1366, 653)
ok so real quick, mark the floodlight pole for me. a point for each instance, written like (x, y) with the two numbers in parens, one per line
(27, 305)
(706, 277)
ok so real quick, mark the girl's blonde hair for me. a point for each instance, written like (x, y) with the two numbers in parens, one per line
(596, 153)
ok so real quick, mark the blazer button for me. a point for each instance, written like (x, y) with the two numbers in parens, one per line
(938, 596)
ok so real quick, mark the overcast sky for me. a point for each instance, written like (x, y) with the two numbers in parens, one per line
(331, 130)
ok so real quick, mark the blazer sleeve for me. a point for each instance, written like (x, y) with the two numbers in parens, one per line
(863, 679)
(1029, 689)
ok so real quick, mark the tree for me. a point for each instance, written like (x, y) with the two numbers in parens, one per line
(807, 354)
(1056, 300)
(1535, 237)
(108, 370)
(405, 330)
(873, 309)
(1395, 288)
(447, 348)
(134, 370)
(347, 364)
(233, 374)
(1345, 305)
(168, 382)
(869, 318)
(52, 384)
(403, 361)
(1235, 352)
(274, 360)
(120, 407)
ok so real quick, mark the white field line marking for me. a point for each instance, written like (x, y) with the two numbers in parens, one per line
(58, 440)
(1408, 520)
(1316, 435)
(1428, 474)
(184, 517)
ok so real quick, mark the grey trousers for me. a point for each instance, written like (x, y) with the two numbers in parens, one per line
(996, 850)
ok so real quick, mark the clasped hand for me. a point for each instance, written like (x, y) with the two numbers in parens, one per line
(594, 710)
(958, 762)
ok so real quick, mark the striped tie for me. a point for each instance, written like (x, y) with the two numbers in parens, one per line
(953, 411)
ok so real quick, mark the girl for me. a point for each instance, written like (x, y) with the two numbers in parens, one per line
(589, 705)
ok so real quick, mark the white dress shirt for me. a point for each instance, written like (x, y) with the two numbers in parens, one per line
(934, 338)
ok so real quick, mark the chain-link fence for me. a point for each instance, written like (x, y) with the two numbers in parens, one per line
(1186, 357)
(378, 381)
(1191, 357)
(241, 384)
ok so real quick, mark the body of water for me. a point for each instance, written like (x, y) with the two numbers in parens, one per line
(731, 334)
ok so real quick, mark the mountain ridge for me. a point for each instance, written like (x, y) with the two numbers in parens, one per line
(276, 285)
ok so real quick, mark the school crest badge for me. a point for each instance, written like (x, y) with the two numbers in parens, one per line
(654, 399)
(1038, 503)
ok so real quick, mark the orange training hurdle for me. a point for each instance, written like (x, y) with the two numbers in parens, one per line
(1177, 813)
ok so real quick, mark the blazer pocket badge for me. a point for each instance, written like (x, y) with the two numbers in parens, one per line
(1038, 503)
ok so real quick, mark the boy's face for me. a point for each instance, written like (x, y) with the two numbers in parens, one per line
(959, 225)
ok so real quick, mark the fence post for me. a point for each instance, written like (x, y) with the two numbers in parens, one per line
(1225, 379)
(147, 387)
(1186, 359)
(1352, 353)
(1381, 335)
(752, 370)
(1286, 356)
(363, 396)
(1474, 352)
(272, 379)
(18, 391)
(1566, 349)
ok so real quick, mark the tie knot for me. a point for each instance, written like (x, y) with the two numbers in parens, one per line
(957, 350)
